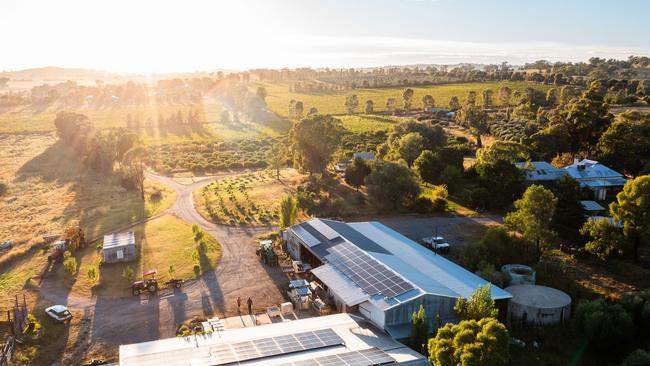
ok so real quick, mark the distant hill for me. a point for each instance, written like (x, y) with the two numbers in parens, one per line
(53, 74)
(46, 74)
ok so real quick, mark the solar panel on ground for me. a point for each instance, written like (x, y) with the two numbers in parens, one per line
(368, 357)
(249, 350)
(306, 236)
(369, 274)
(322, 228)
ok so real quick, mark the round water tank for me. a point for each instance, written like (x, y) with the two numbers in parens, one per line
(519, 274)
(538, 304)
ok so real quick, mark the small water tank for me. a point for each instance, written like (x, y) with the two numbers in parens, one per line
(538, 305)
(519, 274)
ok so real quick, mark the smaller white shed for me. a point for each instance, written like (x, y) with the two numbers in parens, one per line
(119, 247)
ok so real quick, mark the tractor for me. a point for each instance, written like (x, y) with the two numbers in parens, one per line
(148, 283)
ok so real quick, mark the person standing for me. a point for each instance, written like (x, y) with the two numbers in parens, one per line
(250, 305)
(238, 304)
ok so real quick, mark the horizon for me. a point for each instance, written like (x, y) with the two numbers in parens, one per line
(161, 37)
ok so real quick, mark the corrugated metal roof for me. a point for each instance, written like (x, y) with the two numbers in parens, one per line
(350, 234)
(342, 286)
(422, 266)
(357, 335)
(591, 169)
(540, 171)
(115, 240)
(592, 206)
(428, 271)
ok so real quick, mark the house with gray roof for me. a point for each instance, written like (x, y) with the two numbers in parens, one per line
(370, 269)
(597, 177)
(540, 172)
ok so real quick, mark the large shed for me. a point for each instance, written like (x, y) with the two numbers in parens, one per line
(538, 304)
(119, 247)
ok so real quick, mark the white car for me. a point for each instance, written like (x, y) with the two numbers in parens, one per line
(436, 243)
(59, 313)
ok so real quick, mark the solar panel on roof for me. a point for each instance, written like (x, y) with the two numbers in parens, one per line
(249, 350)
(369, 274)
(309, 239)
(322, 228)
(368, 357)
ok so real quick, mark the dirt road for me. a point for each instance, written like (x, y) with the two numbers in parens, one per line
(109, 322)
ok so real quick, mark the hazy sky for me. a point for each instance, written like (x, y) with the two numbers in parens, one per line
(189, 35)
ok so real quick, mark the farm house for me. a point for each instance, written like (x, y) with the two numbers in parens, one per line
(119, 247)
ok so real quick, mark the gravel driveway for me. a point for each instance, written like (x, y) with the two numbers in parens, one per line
(457, 230)
(109, 322)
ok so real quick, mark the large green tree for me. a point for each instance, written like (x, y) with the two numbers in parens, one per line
(503, 180)
(427, 101)
(419, 331)
(479, 305)
(72, 127)
(407, 95)
(509, 151)
(356, 173)
(314, 140)
(487, 98)
(569, 214)
(391, 185)
(504, 96)
(605, 239)
(475, 120)
(587, 119)
(410, 146)
(351, 103)
(434, 136)
(626, 143)
(632, 209)
(532, 216)
(470, 342)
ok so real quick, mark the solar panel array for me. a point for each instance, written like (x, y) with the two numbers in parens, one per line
(266, 347)
(368, 357)
(369, 274)
(306, 236)
(322, 228)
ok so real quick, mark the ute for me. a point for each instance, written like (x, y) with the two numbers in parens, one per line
(436, 243)
(148, 283)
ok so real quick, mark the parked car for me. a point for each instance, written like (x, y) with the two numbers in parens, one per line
(436, 243)
(59, 313)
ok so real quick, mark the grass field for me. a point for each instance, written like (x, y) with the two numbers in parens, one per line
(160, 243)
(47, 191)
(29, 120)
(334, 102)
(247, 199)
(362, 123)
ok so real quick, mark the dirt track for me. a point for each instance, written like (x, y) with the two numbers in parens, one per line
(112, 322)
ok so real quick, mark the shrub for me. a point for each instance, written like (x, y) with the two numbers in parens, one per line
(606, 325)
(3, 188)
(422, 205)
(70, 263)
(92, 274)
(128, 274)
(479, 198)
(637, 358)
